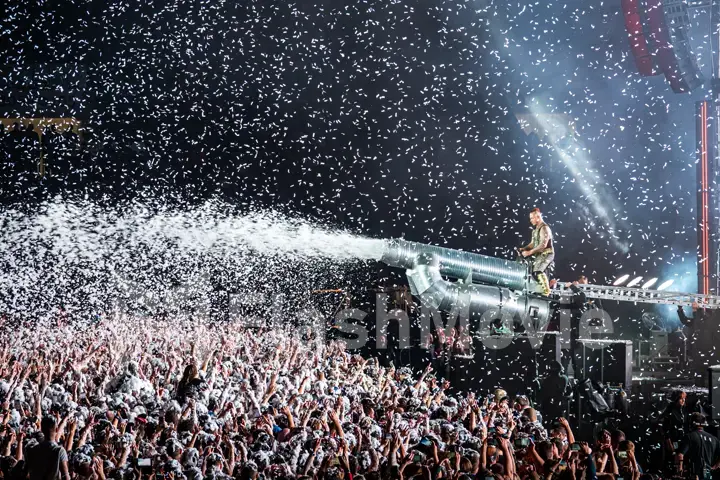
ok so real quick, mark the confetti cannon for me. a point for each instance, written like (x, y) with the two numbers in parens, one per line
(485, 288)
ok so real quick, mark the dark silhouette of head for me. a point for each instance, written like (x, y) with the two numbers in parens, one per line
(556, 368)
(190, 373)
(697, 420)
(48, 426)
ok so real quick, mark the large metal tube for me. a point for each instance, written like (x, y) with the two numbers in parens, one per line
(469, 267)
(477, 303)
(490, 287)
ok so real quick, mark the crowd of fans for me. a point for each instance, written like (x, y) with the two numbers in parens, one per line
(136, 398)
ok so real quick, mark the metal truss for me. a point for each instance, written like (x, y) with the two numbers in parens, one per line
(639, 295)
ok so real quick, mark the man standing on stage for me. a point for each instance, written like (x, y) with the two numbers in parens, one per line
(699, 452)
(577, 306)
(701, 340)
(540, 249)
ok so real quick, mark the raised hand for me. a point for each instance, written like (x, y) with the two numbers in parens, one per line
(586, 448)
(98, 468)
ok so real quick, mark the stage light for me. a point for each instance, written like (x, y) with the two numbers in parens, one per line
(665, 284)
(649, 283)
(573, 153)
(634, 281)
(620, 280)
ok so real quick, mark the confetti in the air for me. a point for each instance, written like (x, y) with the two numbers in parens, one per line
(221, 222)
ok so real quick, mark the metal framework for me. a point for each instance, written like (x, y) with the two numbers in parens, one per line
(708, 153)
(639, 295)
(698, 3)
(707, 215)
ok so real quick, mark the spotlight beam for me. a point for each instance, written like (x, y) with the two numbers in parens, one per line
(649, 283)
(620, 280)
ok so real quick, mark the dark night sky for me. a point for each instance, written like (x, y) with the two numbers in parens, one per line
(388, 118)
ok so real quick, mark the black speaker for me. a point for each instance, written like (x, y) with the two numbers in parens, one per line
(714, 390)
(607, 361)
(512, 363)
(551, 350)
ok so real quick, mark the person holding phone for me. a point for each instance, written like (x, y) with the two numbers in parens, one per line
(580, 461)
(605, 460)
(628, 465)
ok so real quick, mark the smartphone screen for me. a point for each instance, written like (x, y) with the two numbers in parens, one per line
(425, 442)
(144, 462)
(522, 442)
(622, 454)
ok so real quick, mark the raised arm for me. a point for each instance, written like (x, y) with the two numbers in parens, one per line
(681, 315)
(570, 436)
